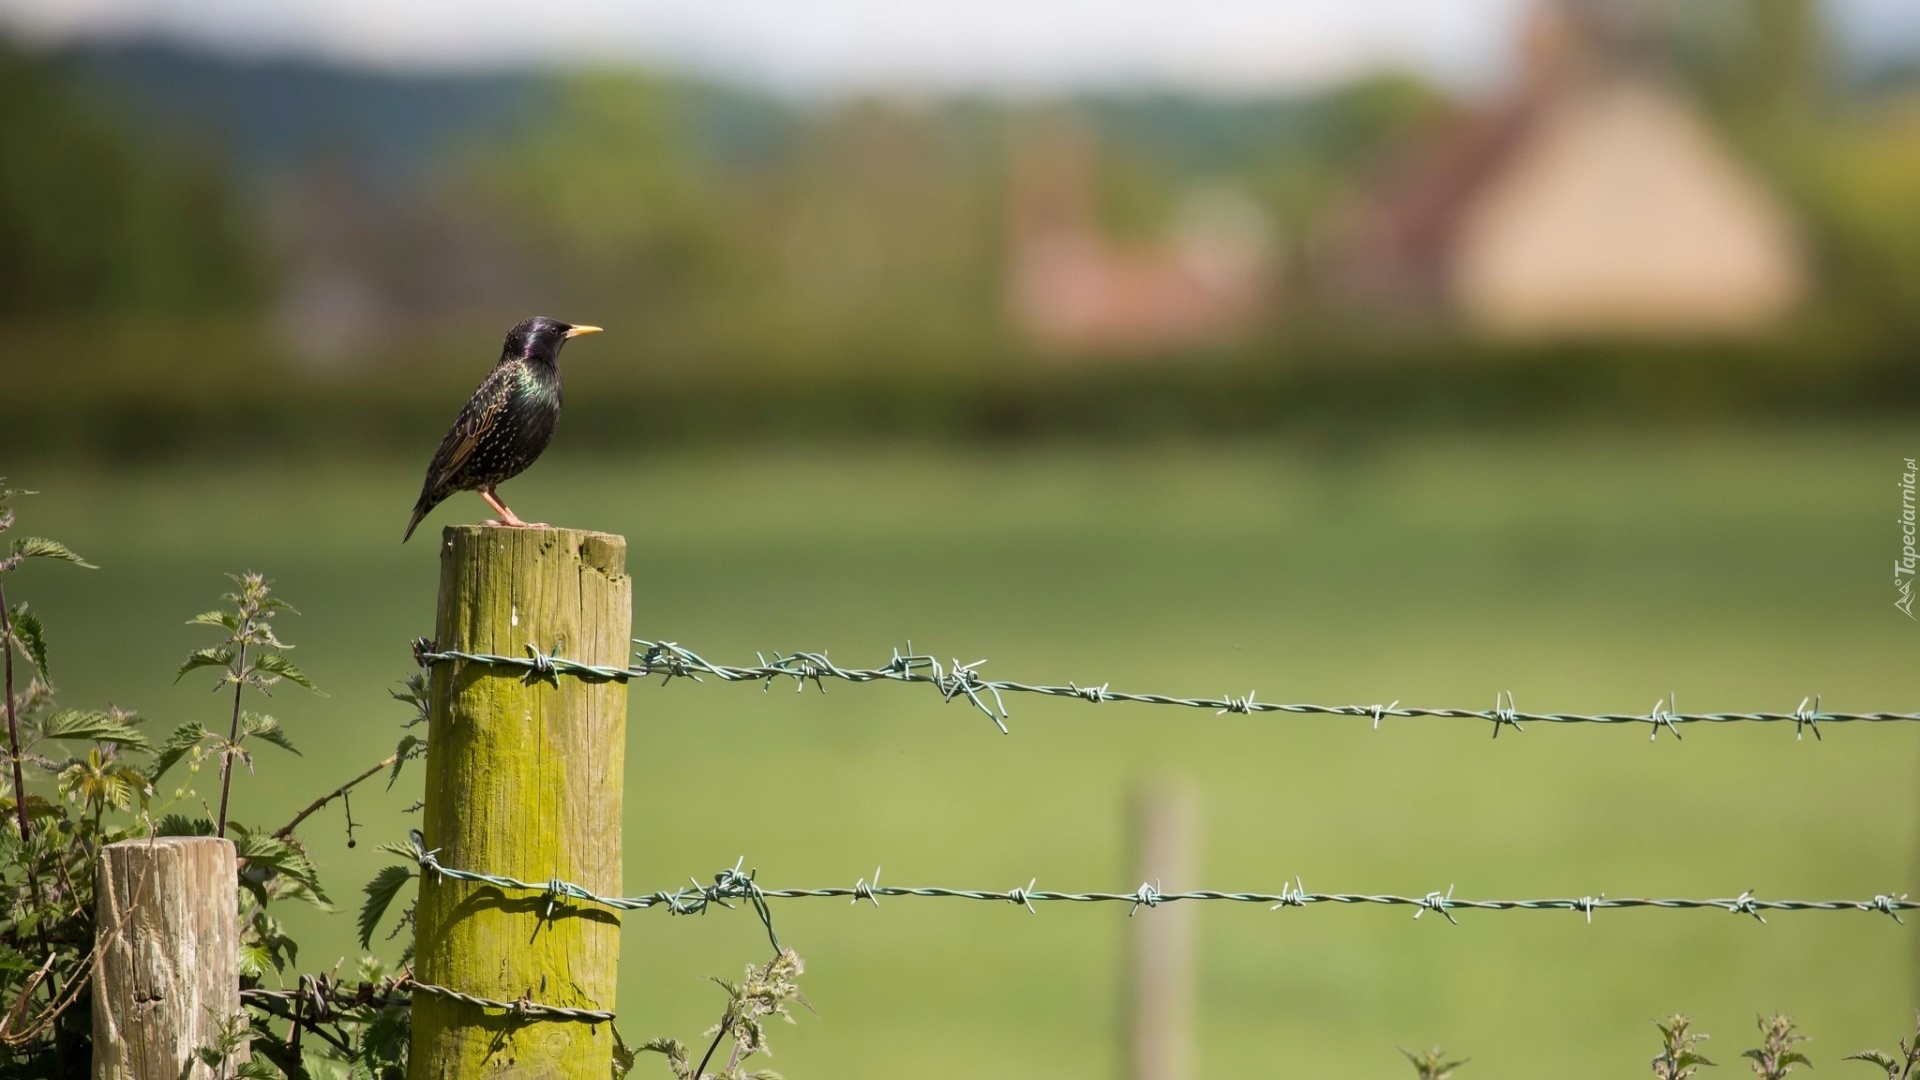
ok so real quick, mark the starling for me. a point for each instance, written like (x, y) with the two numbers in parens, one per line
(506, 423)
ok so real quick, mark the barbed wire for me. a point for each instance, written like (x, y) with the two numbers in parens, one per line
(957, 680)
(964, 680)
(727, 884)
(540, 667)
(733, 883)
(325, 994)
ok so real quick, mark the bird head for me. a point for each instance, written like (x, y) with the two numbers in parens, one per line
(540, 338)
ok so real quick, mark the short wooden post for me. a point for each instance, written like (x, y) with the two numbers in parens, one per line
(166, 962)
(523, 778)
(1160, 953)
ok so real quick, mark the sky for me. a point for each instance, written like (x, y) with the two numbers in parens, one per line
(831, 46)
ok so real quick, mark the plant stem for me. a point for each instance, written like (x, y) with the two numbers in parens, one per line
(13, 751)
(286, 830)
(13, 722)
(701, 1072)
(233, 735)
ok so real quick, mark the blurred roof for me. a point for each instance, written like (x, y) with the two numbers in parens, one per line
(1591, 196)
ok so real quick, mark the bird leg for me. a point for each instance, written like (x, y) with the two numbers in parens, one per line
(507, 517)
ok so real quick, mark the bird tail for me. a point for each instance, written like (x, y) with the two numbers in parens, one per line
(419, 512)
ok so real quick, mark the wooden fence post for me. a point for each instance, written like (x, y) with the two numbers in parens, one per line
(523, 778)
(166, 962)
(1160, 941)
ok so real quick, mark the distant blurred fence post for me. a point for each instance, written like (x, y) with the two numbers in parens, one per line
(1160, 941)
(166, 961)
(523, 777)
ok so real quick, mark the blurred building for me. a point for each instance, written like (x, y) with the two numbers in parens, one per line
(1074, 289)
(1591, 197)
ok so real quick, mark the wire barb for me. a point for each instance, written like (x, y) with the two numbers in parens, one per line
(1504, 714)
(1438, 902)
(1801, 716)
(1663, 717)
(1745, 904)
(864, 891)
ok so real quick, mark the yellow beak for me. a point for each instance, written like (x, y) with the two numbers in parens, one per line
(578, 330)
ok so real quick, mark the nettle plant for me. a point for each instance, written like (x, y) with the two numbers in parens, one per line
(1432, 1064)
(65, 772)
(273, 864)
(75, 780)
(1898, 1068)
(1679, 1055)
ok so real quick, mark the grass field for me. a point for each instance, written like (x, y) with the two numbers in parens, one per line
(1593, 571)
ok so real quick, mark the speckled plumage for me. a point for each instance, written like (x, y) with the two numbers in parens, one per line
(506, 423)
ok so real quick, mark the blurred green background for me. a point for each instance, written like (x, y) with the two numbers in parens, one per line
(1192, 393)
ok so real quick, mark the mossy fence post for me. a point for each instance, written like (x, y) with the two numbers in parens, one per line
(523, 778)
(166, 960)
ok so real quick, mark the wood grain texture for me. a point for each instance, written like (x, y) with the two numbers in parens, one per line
(523, 778)
(166, 968)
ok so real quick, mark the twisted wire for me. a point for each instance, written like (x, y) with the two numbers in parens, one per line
(954, 679)
(733, 884)
(729, 884)
(326, 994)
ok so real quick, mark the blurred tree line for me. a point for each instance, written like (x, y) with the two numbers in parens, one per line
(96, 220)
(730, 235)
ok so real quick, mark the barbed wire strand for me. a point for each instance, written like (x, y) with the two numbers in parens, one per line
(957, 680)
(735, 884)
(392, 993)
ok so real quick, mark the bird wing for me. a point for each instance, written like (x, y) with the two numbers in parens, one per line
(481, 413)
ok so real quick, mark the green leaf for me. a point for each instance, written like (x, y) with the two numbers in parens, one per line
(254, 960)
(217, 656)
(414, 695)
(380, 893)
(1879, 1058)
(94, 727)
(264, 851)
(274, 663)
(624, 1056)
(1689, 1060)
(12, 960)
(225, 619)
(184, 738)
(32, 637)
(36, 547)
(182, 825)
(267, 728)
(1795, 1058)
(401, 755)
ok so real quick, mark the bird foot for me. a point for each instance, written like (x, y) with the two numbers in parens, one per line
(507, 518)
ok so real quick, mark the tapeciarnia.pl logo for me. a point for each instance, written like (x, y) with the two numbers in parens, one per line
(1904, 565)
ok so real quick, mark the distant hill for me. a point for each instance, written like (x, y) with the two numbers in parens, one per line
(276, 114)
